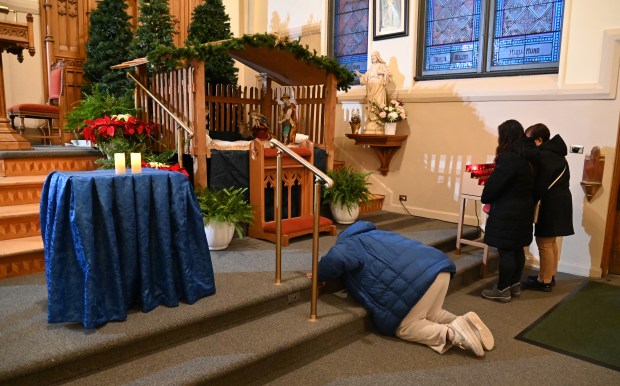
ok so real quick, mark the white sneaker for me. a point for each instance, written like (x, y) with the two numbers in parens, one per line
(465, 337)
(481, 330)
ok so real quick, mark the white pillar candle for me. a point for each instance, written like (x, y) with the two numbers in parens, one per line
(119, 163)
(136, 163)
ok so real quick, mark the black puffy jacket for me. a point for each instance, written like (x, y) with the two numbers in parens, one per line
(556, 208)
(509, 190)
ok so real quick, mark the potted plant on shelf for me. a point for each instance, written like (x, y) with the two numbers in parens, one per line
(224, 212)
(349, 190)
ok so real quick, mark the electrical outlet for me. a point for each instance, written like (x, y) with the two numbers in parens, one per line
(402, 197)
(576, 149)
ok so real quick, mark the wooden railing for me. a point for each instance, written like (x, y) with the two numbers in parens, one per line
(203, 107)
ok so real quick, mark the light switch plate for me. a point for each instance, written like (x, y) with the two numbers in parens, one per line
(576, 149)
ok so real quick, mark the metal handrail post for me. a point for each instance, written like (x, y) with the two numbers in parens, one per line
(315, 249)
(320, 178)
(278, 214)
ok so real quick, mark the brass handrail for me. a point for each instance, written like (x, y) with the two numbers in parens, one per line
(178, 120)
(318, 177)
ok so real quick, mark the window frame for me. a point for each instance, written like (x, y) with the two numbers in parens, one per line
(484, 69)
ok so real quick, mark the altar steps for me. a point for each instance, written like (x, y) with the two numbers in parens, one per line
(22, 174)
(251, 331)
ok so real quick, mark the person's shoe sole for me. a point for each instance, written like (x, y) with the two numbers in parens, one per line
(497, 298)
(483, 332)
(468, 333)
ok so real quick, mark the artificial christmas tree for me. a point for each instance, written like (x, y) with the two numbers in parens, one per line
(109, 38)
(210, 23)
(155, 28)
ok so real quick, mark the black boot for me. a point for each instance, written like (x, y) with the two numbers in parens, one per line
(534, 284)
(535, 277)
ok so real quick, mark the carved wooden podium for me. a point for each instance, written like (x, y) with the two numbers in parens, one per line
(14, 38)
(295, 177)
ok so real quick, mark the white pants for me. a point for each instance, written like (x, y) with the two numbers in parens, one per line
(427, 322)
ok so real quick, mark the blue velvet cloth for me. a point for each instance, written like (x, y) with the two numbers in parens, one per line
(112, 241)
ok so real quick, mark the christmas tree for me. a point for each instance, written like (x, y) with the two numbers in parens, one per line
(109, 38)
(210, 23)
(155, 27)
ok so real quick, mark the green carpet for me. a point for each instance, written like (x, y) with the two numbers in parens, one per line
(584, 325)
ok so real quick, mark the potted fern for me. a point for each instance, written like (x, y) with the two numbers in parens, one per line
(349, 190)
(224, 212)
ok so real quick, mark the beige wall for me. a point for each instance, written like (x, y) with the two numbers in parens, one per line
(452, 123)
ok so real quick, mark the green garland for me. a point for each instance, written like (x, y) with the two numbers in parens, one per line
(166, 58)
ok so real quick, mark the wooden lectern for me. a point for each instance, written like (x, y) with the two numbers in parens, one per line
(14, 38)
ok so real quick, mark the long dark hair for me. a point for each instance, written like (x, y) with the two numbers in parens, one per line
(510, 138)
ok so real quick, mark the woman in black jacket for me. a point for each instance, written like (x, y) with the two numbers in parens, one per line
(509, 191)
(556, 206)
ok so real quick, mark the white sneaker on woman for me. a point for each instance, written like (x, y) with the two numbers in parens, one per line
(481, 330)
(465, 337)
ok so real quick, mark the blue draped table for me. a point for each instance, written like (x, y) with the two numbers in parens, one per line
(113, 241)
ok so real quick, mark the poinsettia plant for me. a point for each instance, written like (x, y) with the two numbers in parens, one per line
(120, 133)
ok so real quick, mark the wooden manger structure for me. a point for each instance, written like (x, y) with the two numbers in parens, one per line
(184, 96)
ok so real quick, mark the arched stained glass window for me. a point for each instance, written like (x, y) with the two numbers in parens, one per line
(478, 37)
(350, 45)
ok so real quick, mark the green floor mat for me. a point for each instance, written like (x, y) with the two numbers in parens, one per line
(585, 325)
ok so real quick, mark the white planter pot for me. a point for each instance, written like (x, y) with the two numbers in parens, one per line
(389, 128)
(342, 215)
(219, 234)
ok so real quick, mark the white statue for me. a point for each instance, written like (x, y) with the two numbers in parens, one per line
(375, 79)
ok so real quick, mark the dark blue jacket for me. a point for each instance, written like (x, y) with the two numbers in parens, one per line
(384, 271)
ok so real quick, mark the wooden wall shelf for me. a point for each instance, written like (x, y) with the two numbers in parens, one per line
(384, 146)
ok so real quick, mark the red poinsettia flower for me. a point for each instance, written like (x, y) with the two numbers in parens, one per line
(123, 125)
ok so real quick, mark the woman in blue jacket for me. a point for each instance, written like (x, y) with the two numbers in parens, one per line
(402, 283)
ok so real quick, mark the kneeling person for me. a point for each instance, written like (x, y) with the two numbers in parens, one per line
(403, 284)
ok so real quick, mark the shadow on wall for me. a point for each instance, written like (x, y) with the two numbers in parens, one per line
(277, 24)
(443, 137)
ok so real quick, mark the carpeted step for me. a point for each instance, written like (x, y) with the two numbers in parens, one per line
(245, 353)
(61, 351)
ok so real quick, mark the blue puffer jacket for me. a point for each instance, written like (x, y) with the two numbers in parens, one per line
(384, 271)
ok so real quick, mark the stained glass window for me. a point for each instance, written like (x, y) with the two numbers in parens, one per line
(452, 35)
(527, 31)
(521, 35)
(351, 33)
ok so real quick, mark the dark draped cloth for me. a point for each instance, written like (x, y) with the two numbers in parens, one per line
(113, 241)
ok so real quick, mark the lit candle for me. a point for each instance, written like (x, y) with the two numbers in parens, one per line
(136, 163)
(119, 163)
